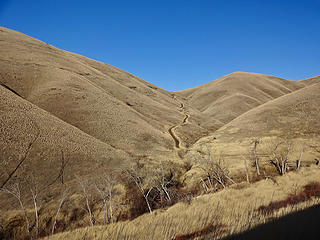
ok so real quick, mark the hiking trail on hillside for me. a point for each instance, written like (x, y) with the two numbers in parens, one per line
(171, 130)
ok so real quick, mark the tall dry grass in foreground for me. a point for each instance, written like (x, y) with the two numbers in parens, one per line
(216, 215)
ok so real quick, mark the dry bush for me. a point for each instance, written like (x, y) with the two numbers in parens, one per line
(281, 156)
(40, 217)
(184, 196)
(135, 202)
(158, 190)
(144, 182)
(216, 172)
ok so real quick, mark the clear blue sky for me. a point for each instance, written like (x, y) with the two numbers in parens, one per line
(178, 44)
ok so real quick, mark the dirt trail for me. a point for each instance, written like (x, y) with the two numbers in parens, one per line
(185, 120)
(171, 131)
(174, 137)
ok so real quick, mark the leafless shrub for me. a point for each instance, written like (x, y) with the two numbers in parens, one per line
(279, 157)
(298, 161)
(63, 198)
(255, 157)
(34, 193)
(163, 179)
(216, 173)
(105, 186)
(15, 191)
(246, 168)
(85, 187)
(143, 182)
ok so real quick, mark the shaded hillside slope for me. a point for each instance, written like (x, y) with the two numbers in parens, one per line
(228, 97)
(34, 142)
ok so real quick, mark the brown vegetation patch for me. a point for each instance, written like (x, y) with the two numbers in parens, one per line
(210, 229)
(310, 190)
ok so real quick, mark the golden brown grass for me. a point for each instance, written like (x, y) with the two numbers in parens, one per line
(237, 92)
(234, 210)
(84, 117)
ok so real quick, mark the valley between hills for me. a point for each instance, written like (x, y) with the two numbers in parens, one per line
(89, 151)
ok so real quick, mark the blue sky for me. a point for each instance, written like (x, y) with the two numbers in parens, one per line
(178, 44)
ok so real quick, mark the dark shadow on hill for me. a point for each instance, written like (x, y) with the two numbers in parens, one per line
(299, 225)
(10, 89)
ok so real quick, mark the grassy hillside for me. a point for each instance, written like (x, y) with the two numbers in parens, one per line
(230, 96)
(310, 81)
(34, 141)
(87, 150)
(293, 118)
(105, 102)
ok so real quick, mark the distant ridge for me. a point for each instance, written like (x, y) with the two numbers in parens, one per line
(230, 96)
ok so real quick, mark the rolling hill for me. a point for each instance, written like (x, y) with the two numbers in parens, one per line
(131, 116)
(292, 119)
(228, 97)
(100, 100)
(63, 115)
(310, 81)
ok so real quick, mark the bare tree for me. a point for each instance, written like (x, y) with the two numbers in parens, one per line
(145, 185)
(255, 157)
(84, 184)
(62, 170)
(163, 180)
(105, 187)
(15, 191)
(298, 162)
(215, 171)
(34, 194)
(63, 198)
(204, 185)
(33, 184)
(220, 173)
(104, 197)
(279, 157)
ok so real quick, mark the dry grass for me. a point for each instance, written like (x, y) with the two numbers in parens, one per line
(310, 190)
(227, 212)
(84, 117)
(237, 92)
